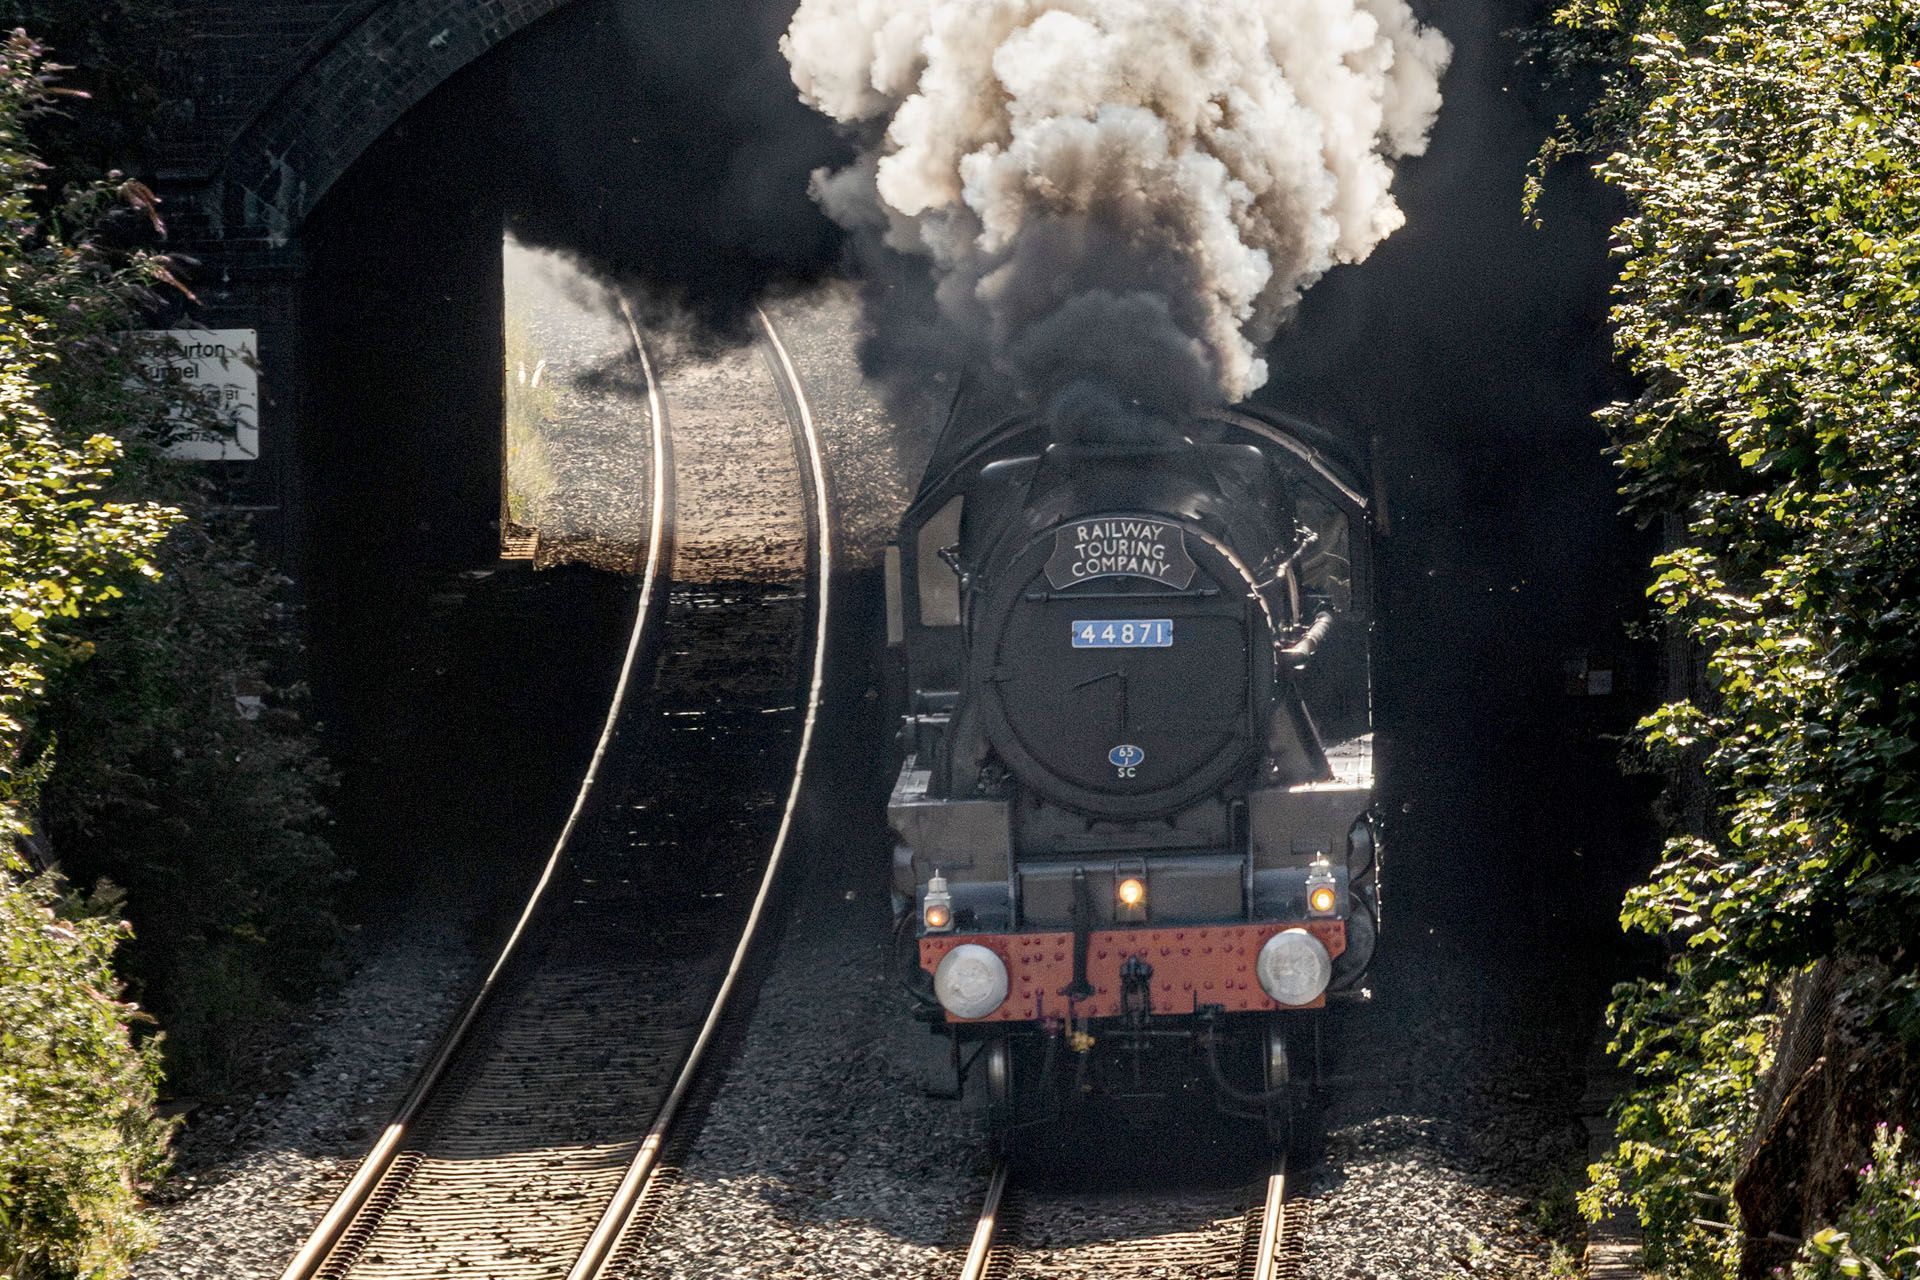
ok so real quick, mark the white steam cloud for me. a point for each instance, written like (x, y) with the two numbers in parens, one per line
(1128, 191)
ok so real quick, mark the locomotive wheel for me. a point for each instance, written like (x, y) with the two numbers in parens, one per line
(1294, 1119)
(998, 1060)
(1279, 1084)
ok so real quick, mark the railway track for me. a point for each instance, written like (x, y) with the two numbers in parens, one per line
(531, 1139)
(1026, 1233)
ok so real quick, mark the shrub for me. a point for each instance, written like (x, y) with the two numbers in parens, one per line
(211, 819)
(77, 1135)
(151, 738)
(1769, 306)
(1878, 1237)
(180, 767)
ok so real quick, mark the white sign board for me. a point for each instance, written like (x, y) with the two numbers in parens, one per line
(222, 367)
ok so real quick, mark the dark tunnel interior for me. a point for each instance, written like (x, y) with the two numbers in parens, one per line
(661, 146)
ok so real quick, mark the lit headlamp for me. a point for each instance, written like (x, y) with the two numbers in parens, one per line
(1130, 895)
(1323, 897)
(936, 909)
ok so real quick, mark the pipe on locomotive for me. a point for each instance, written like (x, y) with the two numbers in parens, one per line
(1302, 649)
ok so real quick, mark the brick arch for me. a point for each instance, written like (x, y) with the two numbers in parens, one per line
(351, 92)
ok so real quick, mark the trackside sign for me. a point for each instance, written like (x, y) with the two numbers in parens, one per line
(1120, 547)
(221, 367)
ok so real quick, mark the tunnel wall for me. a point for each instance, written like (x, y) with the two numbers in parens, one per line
(284, 98)
(287, 95)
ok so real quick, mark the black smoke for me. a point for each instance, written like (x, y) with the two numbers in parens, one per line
(661, 144)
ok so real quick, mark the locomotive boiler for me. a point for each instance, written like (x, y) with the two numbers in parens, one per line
(1136, 847)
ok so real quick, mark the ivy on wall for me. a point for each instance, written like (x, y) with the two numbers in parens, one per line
(1769, 305)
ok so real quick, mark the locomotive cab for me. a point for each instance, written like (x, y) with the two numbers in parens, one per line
(1135, 807)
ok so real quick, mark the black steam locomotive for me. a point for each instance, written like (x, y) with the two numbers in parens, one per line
(1136, 843)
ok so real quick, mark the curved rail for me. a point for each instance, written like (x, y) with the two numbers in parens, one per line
(613, 1222)
(360, 1189)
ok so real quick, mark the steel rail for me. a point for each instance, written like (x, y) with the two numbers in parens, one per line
(1271, 1234)
(1273, 1224)
(348, 1205)
(980, 1250)
(607, 1233)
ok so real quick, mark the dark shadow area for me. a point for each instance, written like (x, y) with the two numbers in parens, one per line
(1472, 350)
(662, 144)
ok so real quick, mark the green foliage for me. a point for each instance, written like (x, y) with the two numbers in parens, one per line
(1769, 304)
(78, 1137)
(67, 549)
(1697, 1046)
(531, 405)
(77, 1134)
(181, 769)
(1878, 1237)
(209, 819)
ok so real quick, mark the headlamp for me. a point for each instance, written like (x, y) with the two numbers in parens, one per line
(1130, 891)
(1322, 896)
(970, 981)
(1293, 967)
(936, 909)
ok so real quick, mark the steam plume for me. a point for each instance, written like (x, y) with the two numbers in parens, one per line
(1128, 191)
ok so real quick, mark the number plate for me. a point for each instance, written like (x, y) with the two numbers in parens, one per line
(1129, 633)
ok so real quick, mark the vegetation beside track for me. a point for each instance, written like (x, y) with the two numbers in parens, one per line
(1769, 306)
(133, 623)
(530, 408)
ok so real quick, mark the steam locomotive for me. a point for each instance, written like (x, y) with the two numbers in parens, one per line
(1136, 848)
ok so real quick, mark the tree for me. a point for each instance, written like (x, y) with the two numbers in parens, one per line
(1769, 303)
(78, 1137)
